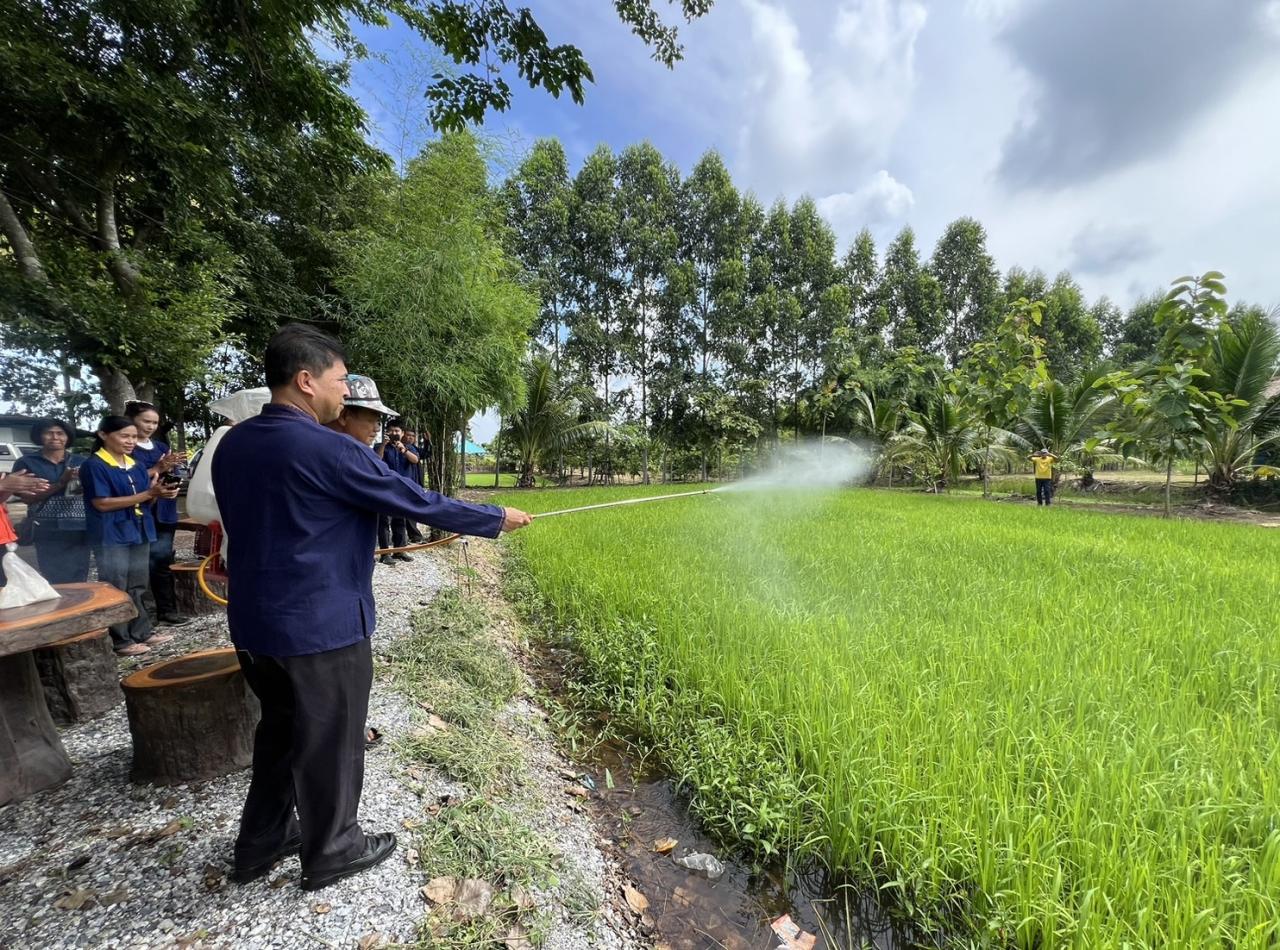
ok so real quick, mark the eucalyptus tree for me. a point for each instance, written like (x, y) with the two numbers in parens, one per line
(968, 285)
(647, 192)
(909, 296)
(538, 201)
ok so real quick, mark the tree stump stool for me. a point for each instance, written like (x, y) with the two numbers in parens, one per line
(80, 678)
(191, 599)
(192, 718)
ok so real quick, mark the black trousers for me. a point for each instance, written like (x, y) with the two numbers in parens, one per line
(308, 756)
(1044, 491)
(392, 532)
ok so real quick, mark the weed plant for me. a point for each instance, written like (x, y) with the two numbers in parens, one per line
(1051, 727)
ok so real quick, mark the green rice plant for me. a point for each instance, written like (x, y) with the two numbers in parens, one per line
(1049, 727)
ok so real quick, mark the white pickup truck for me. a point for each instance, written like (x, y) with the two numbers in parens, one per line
(10, 452)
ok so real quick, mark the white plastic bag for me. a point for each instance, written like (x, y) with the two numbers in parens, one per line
(23, 583)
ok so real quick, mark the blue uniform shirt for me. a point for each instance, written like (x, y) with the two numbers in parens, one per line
(300, 505)
(394, 457)
(166, 509)
(52, 473)
(124, 525)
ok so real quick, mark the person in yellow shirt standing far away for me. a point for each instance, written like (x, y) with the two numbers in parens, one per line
(1043, 461)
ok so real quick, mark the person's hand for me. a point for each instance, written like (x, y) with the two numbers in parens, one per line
(22, 483)
(513, 518)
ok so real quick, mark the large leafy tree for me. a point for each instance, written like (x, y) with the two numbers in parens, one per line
(437, 313)
(1070, 420)
(968, 284)
(1169, 398)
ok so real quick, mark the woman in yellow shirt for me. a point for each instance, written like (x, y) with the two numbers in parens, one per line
(1042, 462)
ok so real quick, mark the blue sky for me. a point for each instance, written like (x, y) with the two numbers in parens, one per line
(1129, 141)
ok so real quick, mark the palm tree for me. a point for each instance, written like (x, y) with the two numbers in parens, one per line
(947, 438)
(1068, 420)
(1243, 361)
(548, 422)
(879, 419)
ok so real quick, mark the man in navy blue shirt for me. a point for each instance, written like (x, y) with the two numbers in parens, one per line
(300, 505)
(401, 459)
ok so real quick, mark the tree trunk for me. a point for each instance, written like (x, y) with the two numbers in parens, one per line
(116, 388)
(497, 456)
(1168, 482)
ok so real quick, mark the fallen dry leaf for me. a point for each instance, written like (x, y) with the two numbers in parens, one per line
(521, 897)
(577, 791)
(279, 882)
(76, 899)
(118, 896)
(665, 845)
(568, 776)
(440, 890)
(472, 900)
(369, 941)
(321, 907)
(635, 900)
(411, 857)
(518, 938)
(168, 831)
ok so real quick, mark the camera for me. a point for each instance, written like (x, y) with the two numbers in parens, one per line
(170, 478)
(393, 439)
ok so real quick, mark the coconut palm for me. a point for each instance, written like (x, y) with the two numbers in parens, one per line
(947, 438)
(1243, 362)
(879, 419)
(1068, 421)
(548, 422)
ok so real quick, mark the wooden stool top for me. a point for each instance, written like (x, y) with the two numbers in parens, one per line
(183, 670)
(80, 607)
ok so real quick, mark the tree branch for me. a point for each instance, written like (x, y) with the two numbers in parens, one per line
(123, 272)
(29, 265)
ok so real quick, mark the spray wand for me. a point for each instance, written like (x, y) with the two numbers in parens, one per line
(626, 501)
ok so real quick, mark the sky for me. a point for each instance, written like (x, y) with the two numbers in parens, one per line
(1127, 141)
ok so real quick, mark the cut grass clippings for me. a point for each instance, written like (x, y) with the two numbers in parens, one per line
(1048, 728)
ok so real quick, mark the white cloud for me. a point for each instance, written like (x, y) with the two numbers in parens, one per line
(825, 100)
(880, 202)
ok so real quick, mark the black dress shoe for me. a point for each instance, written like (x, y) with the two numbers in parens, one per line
(401, 556)
(386, 559)
(175, 620)
(254, 871)
(377, 848)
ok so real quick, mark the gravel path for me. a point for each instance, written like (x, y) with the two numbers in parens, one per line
(102, 863)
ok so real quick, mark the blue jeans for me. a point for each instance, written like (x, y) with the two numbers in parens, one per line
(125, 566)
(63, 556)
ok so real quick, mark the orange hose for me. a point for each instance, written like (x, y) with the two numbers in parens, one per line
(217, 599)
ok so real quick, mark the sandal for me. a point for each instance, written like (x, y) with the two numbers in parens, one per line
(133, 649)
(156, 639)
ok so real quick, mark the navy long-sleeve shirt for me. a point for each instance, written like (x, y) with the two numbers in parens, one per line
(300, 505)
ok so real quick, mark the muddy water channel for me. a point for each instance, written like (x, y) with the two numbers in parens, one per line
(689, 912)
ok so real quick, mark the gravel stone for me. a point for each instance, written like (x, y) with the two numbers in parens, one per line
(148, 892)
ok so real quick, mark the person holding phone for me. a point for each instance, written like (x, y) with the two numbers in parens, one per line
(167, 466)
(393, 532)
(56, 512)
(118, 497)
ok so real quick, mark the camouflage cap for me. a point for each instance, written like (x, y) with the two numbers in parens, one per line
(364, 393)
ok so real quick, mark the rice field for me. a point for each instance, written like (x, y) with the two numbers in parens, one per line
(1035, 727)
